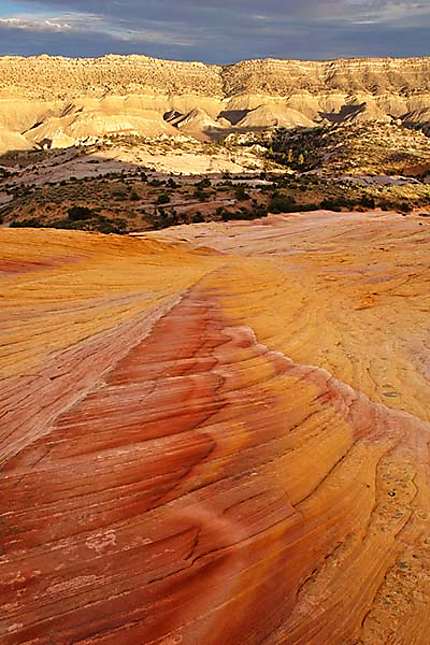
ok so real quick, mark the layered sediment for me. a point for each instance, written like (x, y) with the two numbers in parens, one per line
(53, 77)
(65, 101)
(219, 437)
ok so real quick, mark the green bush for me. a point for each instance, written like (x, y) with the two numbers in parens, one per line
(163, 198)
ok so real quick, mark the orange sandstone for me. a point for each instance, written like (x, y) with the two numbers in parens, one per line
(226, 446)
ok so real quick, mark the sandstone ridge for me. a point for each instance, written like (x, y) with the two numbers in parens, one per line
(56, 77)
(218, 437)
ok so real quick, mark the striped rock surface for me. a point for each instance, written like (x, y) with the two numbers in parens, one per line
(218, 437)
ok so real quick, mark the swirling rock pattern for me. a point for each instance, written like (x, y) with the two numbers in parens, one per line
(221, 437)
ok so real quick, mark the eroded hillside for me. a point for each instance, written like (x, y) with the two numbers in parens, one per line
(53, 101)
(51, 77)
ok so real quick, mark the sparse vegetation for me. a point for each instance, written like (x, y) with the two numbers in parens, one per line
(321, 171)
(354, 148)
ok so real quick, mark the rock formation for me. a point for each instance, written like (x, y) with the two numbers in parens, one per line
(218, 437)
(71, 99)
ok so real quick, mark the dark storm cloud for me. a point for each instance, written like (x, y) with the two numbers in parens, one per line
(216, 30)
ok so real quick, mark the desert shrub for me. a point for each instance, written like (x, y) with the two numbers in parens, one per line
(282, 204)
(77, 225)
(266, 188)
(201, 195)
(197, 218)
(367, 201)
(163, 198)
(204, 183)
(240, 193)
(31, 222)
(79, 213)
(108, 226)
(242, 214)
(119, 194)
(163, 219)
(304, 208)
(331, 205)
(258, 212)
(134, 196)
(336, 204)
(403, 207)
(385, 206)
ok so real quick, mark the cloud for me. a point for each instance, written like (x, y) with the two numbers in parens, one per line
(388, 12)
(217, 30)
(97, 25)
(31, 24)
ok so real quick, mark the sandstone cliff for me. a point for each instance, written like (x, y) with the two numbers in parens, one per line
(49, 77)
(133, 93)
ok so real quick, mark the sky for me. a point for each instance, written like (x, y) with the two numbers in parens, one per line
(216, 31)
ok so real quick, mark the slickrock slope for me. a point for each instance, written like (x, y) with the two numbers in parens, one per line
(65, 100)
(221, 437)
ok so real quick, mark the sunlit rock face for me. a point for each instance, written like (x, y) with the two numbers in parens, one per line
(59, 102)
(221, 437)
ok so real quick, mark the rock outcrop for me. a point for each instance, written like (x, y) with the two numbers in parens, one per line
(221, 437)
(131, 94)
